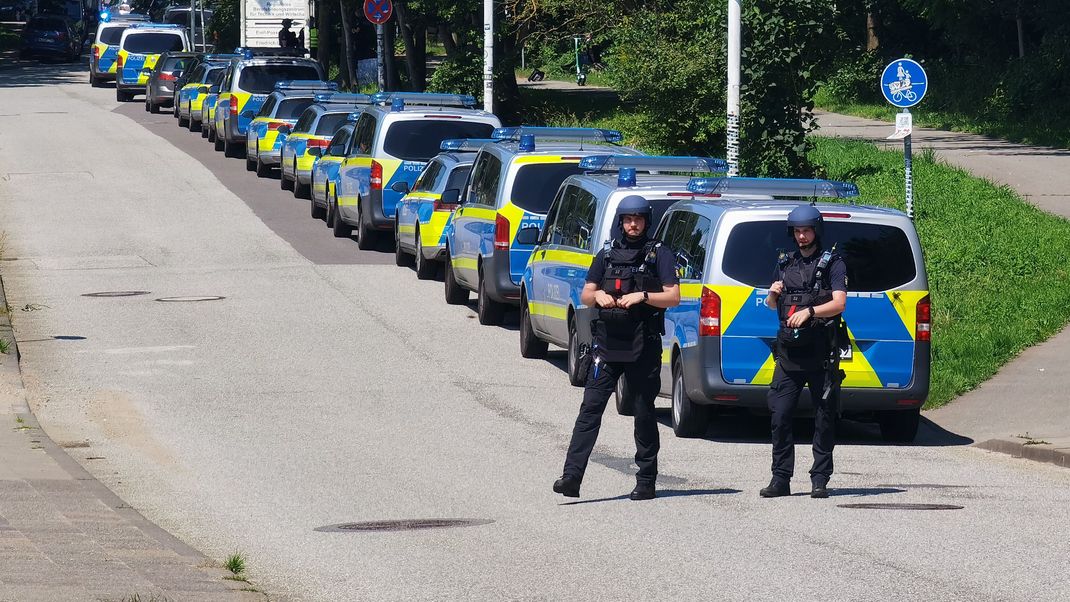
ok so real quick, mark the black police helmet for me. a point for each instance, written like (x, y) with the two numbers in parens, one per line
(805, 215)
(634, 204)
(287, 22)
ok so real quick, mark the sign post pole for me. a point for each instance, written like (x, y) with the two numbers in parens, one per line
(903, 84)
(379, 12)
(488, 56)
(908, 170)
(379, 57)
(732, 130)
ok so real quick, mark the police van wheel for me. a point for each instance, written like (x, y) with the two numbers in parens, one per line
(185, 122)
(302, 191)
(575, 377)
(283, 182)
(624, 398)
(688, 418)
(216, 140)
(122, 96)
(153, 107)
(316, 212)
(455, 293)
(205, 131)
(899, 426)
(425, 268)
(489, 311)
(531, 346)
(339, 228)
(230, 149)
(250, 164)
(94, 82)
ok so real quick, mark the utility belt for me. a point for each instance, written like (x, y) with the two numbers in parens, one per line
(620, 334)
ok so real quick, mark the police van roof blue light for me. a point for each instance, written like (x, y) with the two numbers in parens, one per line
(429, 99)
(154, 26)
(305, 84)
(105, 16)
(626, 177)
(654, 163)
(465, 144)
(342, 97)
(555, 133)
(773, 187)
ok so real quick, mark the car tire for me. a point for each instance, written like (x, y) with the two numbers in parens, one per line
(218, 141)
(576, 377)
(365, 235)
(123, 96)
(331, 212)
(250, 164)
(185, 122)
(153, 107)
(231, 149)
(455, 293)
(284, 183)
(147, 104)
(401, 258)
(175, 111)
(899, 426)
(339, 228)
(263, 170)
(531, 346)
(206, 131)
(624, 398)
(301, 191)
(688, 418)
(316, 211)
(93, 81)
(425, 268)
(489, 311)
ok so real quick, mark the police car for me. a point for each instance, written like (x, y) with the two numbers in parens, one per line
(105, 47)
(579, 223)
(140, 46)
(511, 187)
(325, 167)
(211, 98)
(424, 213)
(718, 346)
(202, 72)
(313, 130)
(392, 142)
(282, 108)
(245, 87)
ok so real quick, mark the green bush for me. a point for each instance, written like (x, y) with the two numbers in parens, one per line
(463, 76)
(856, 79)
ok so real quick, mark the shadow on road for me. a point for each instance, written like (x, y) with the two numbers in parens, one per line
(662, 493)
(32, 73)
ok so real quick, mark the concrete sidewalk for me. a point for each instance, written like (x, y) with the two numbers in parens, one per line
(65, 536)
(1025, 409)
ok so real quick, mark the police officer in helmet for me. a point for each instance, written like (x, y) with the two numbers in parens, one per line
(809, 293)
(631, 281)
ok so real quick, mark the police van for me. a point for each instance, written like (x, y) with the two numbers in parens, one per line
(105, 47)
(205, 70)
(425, 212)
(718, 346)
(313, 130)
(510, 188)
(140, 46)
(392, 141)
(581, 222)
(278, 114)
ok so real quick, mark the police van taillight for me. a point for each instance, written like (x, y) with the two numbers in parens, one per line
(96, 52)
(119, 62)
(438, 205)
(501, 233)
(924, 316)
(233, 107)
(376, 179)
(709, 314)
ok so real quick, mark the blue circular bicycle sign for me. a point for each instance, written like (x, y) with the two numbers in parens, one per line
(904, 83)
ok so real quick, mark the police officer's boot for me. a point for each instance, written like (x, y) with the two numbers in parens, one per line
(776, 488)
(642, 492)
(567, 486)
(819, 489)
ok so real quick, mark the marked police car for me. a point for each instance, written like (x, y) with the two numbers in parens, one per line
(282, 108)
(211, 98)
(579, 224)
(189, 93)
(325, 168)
(246, 85)
(313, 130)
(424, 213)
(511, 187)
(718, 346)
(392, 142)
(140, 46)
(105, 47)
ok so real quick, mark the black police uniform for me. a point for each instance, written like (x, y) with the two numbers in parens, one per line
(627, 343)
(806, 356)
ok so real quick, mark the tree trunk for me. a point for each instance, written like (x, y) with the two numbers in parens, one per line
(446, 37)
(347, 38)
(325, 34)
(872, 42)
(389, 64)
(411, 58)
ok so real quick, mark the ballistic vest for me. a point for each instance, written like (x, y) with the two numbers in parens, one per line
(620, 334)
(806, 284)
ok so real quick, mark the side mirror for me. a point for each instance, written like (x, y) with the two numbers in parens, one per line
(284, 129)
(450, 196)
(315, 151)
(528, 236)
(248, 114)
(400, 187)
(202, 89)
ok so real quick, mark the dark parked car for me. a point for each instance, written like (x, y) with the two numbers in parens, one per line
(160, 89)
(51, 36)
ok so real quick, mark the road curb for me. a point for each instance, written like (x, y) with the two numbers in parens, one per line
(1038, 452)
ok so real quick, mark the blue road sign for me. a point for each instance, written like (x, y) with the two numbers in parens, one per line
(904, 83)
(378, 11)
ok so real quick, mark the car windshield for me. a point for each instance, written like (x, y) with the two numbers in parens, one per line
(536, 185)
(329, 123)
(261, 79)
(291, 108)
(152, 43)
(420, 139)
(111, 35)
(47, 24)
(878, 257)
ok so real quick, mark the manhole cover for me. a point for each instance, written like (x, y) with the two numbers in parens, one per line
(190, 299)
(902, 506)
(412, 524)
(116, 294)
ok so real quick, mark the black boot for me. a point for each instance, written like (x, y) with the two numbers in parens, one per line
(776, 488)
(642, 492)
(819, 490)
(567, 486)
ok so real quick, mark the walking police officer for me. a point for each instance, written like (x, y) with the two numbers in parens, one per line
(809, 294)
(631, 281)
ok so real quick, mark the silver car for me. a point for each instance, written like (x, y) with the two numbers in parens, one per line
(160, 89)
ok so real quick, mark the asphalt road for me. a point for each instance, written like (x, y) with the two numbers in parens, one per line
(325, 388)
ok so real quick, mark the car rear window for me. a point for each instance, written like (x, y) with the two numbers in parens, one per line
(535, 186)
(174, 64)
(292, 108)
(261, 79)
(111, 35)
(419, 139)
(878, 257)
(152, 43)
(47, 24)
(457, 177)
(329, 123)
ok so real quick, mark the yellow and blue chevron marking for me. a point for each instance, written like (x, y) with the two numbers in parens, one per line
(136, 68)
(106, 55)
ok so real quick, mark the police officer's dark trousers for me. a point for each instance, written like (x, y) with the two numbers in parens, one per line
(783, 398)
(642, 376)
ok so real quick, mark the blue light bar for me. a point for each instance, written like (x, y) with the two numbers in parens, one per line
(342, 97)
(652, 163)
(626, 177)
(105, 16)
(305, 84)
(430, 99)
(465, 144)
(773, 187)
(221, 57)
(154, 26)
(353, 117)
(600, 135)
